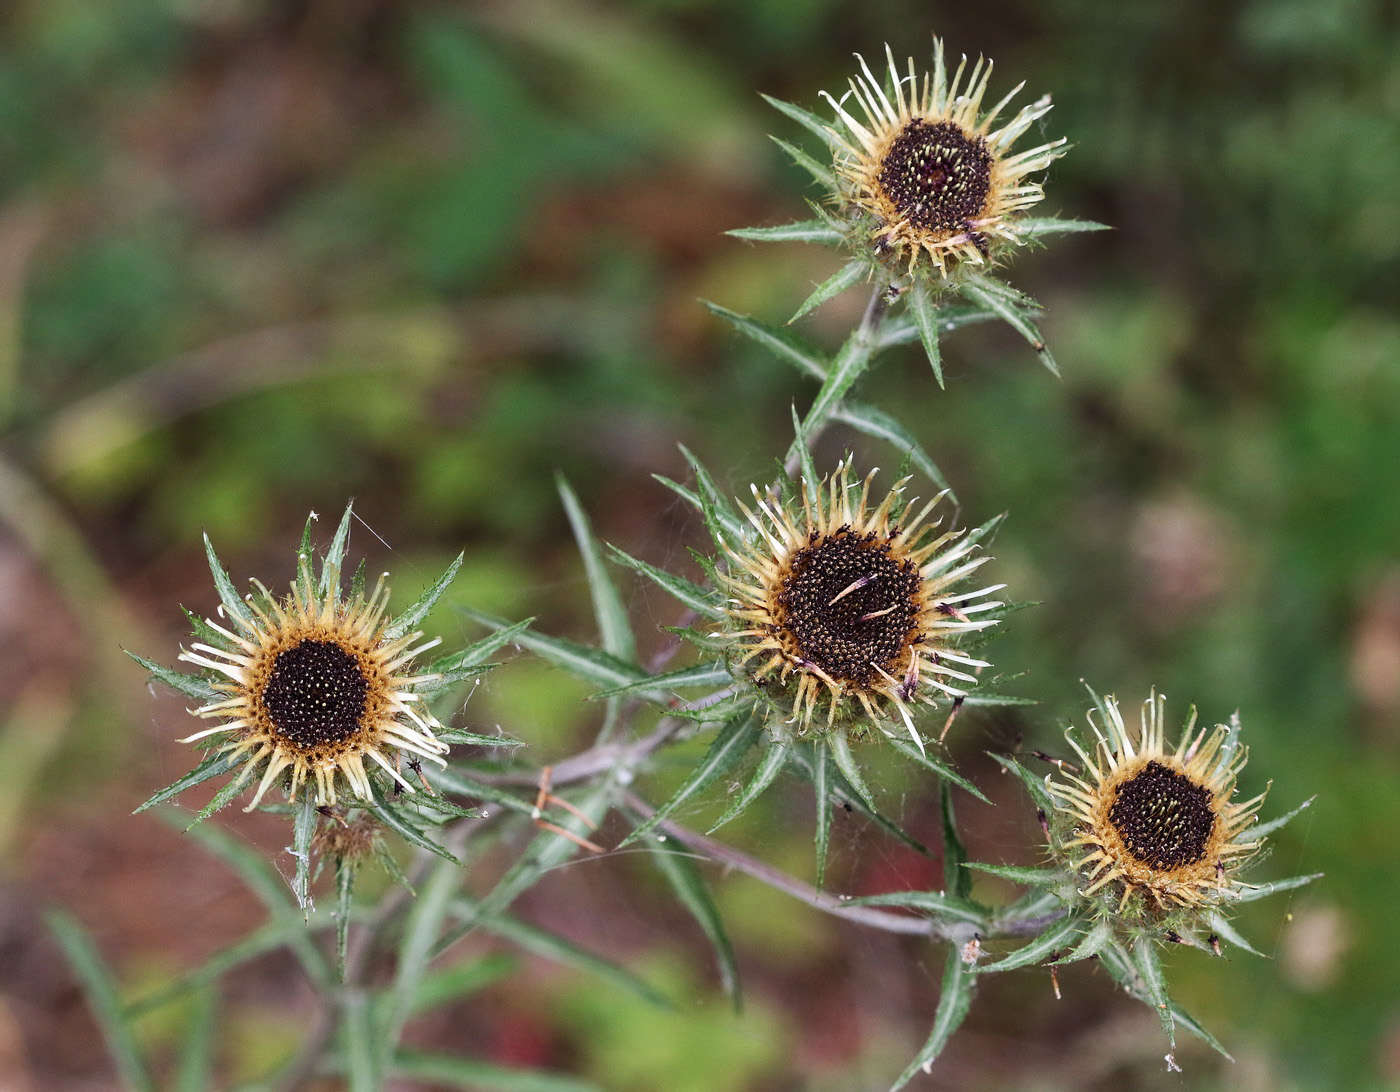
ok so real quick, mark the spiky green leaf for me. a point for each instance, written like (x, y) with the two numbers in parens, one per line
(803, 231)
(848, 276)
(959, 984)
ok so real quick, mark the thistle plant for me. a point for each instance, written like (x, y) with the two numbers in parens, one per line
(839, 614)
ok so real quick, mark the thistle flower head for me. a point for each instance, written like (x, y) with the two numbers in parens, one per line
(929, 173)
(315, 689)
(1153, 831)
(835, 602)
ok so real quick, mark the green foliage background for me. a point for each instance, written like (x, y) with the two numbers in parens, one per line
(256, 258)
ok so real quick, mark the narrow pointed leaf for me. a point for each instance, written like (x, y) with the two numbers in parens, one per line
(1227, 932)
(212, 766)
(874, 421)
(848, 276)
(803, 231)
(409, 619)
(902, 329)
(819, 171)
(440, 986)
(221, 799)
(335, 555)
(1263, 830)
(1034, 785)
(783, 344)
(1147, 962)
(1030, 877)
(344, 901)
(729, 745)
(613, 625)
(705, 674)
(474, 655)
(821, 776)
(1256, 891)
(846, 763)
(192, 686)
(475, 739)
(804, 453)
(303, 827)
(459, 782)
(593, 664)
(942, 769)
(805, 118)
(1050, 225)
(977, 290)
(1064, 934)
(850, 364)
(694, 894)
(395, 820)
(703, 601)
(956, 877)
(769, 766)
(1095, 941)
(101, 991)
(935, 904)
(1190, 1023)
(234, 607)
(925, 313)
(959, 983)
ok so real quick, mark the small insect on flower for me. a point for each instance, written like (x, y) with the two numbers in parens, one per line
(1154, 828)
(854, 605)
(314, 686)
(935, 182)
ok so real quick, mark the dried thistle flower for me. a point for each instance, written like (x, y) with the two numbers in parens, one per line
(833, 600)
(934, 182)
(313, 686)
(1154, 829)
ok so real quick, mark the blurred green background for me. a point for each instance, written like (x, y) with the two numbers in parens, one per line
(257, 258)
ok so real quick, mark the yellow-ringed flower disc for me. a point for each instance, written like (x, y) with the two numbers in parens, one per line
(315, 689)
(935, 180)
(1156, 826)
(839, 602)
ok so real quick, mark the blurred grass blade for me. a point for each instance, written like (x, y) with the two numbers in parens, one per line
(773, 760)
(730, 744)
(954, 1001)
(418, 610)
(694, 894)
(848, 276)
(421, 930)
(195, 1064)
(613, 625)
(439, 987)
(476, 1076)
(925, 313)
(783, 344)
(101, 992)
(803, 231)
(547, 945)
(876, 422)
(358, 1038)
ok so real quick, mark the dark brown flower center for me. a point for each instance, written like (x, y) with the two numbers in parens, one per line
(937, 176)
(850, 606)
(316, 693)
(1165, 818)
